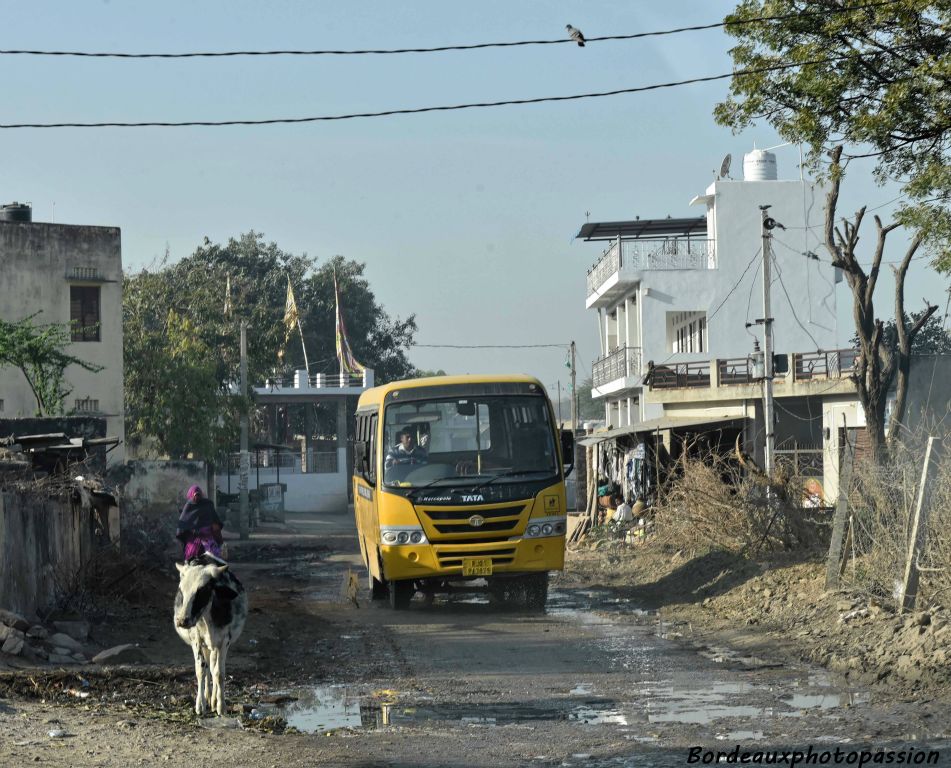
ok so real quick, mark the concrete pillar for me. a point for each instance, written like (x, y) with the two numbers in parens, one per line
(308, 461)
(341, 423)
(342, 443)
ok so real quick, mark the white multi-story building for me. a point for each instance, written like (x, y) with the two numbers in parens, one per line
(66, 274)
(679, 303)
(677, 293)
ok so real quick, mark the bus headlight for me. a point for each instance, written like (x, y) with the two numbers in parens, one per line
(402, 535)
(545, 527)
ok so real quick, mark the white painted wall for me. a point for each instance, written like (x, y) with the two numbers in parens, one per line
(734, 218)
(311, 492)
(35, 259)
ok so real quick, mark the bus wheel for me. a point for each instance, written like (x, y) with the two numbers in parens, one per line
(377, 588)
(401, 592)
(536, 591)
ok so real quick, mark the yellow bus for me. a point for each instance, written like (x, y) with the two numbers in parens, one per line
(460, 479)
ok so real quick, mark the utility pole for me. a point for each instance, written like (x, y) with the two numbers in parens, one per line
(574, 392)
(245, 457)
(560, 420)
(768, 224)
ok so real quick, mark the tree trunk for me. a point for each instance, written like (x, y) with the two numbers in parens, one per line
(905, 339)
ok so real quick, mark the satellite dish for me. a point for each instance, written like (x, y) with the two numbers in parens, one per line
(725, 167)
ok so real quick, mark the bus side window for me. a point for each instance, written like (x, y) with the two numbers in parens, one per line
(371, 439)
(360, 435)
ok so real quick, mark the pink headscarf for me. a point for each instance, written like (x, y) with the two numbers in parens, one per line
(194, 493)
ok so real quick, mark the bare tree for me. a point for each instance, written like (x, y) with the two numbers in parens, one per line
(878, 362)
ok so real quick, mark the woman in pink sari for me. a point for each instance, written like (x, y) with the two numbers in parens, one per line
(199, 527)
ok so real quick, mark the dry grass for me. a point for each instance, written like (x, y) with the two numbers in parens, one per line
(711, 502)
(881, 504)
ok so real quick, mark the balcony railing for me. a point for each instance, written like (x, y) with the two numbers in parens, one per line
(807, 366)
(677, 375)
(738, 370)
(834, 364)
(639, 255)
(301, 380)
(608, 264)
(621, 363)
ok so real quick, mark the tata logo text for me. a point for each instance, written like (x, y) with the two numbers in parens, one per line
(470, 497)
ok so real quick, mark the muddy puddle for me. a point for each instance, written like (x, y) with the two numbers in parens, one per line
(328, 708)
(740, 697)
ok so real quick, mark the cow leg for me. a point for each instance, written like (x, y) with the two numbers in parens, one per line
(209, 702)
(216, 681)
(222, 658)
(201, 668)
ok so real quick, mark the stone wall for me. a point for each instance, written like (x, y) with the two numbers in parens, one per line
(156, 488)
(42, 541)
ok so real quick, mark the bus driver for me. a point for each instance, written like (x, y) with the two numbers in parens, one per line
(406, 451)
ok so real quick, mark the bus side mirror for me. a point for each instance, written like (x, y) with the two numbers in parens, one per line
(361, 458)
(568, 450)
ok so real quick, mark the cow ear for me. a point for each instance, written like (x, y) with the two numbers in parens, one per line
(181, 567)
(225, 593)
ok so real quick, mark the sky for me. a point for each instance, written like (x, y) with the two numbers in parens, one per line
(466, 219)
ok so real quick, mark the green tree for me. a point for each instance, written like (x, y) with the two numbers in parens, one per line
(874, 79)
(588, 408)
(178, 400)
(869, 81)
(39, 352)
(420, 374)
(197, 289)
(933, 339)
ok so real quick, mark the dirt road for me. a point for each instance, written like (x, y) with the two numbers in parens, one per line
(594, 681)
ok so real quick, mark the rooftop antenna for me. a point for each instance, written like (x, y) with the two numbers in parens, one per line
(725, 166)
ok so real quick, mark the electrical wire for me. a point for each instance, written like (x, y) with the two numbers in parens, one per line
(735, 286)
(420, 110)
(749, 304)
(441, 48)
(779, 274)
(726, 298)
(492, 346)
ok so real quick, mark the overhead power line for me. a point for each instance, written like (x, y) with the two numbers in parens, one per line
(440, 48)
(420, 110)
(492, 346)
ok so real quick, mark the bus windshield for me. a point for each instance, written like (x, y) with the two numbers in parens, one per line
(503, 438)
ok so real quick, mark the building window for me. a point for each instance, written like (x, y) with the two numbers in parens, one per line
(86, 405)
(84, 312)
(687, 332)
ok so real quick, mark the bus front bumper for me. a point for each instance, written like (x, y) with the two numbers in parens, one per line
(473, 560)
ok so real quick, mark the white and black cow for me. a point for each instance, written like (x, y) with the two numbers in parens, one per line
(211, 607)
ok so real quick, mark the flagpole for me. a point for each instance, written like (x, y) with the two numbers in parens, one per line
(301, 332)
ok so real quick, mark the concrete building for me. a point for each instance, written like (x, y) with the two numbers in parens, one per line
(677, 291)
(69, 274)
(677, 303)
(315, 474)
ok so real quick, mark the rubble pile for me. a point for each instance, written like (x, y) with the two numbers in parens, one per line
(62, 642)
(779, 607)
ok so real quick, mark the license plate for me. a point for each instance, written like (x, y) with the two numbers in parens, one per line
(477, 566)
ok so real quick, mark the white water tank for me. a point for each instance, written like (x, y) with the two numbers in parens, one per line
(759, 165)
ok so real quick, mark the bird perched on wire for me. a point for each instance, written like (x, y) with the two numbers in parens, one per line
(575, 34)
